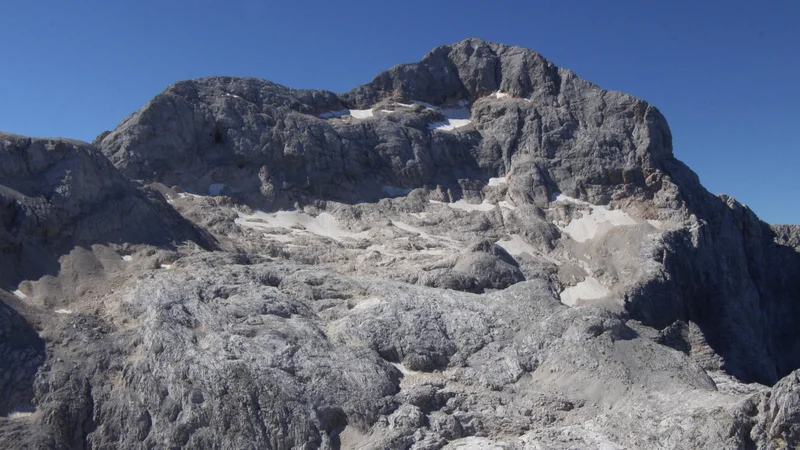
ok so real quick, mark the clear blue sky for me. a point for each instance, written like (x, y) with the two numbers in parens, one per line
(725, 73)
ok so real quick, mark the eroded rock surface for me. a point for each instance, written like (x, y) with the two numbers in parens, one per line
(479, 250)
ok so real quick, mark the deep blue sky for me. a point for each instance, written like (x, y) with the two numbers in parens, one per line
(725, 73)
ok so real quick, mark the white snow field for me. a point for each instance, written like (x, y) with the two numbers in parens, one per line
(588, 289)
(354, 113)
(586, 227)
(498, 181)
(456, 118)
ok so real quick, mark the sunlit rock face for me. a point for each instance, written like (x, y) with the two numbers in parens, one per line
(478, 250)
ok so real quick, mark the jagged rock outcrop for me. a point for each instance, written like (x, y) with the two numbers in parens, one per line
(479, 249)
(565, 135)
(778, 426)
(57, 194)
(787, 235)
(552, 130)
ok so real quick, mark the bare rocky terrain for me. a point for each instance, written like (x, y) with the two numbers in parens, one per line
(478, 250)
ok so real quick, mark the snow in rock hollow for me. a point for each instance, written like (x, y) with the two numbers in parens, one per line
(588, 289)
(507, 205)
(354, 113)
(21, 412)
(456, 118)
(449, 124)
(585, 228)
(361, 113)
(497, 181)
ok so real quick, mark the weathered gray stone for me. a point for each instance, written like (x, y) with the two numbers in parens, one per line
(546, 276)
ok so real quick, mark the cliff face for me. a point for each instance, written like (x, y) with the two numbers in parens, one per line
(57, 194)
(550, 130)
(474, 249)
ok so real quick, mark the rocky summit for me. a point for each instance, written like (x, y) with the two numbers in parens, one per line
(480, 250)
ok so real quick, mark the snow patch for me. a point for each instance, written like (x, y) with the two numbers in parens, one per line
(322, 225)
(507, 205)
(464, 205)
(559, 197)
(588, 289)
(188, 194)
(232, 95)
(456, 118)
(20, 294)
(498, 181)
(166, 266)
(361, 113)
(127, 258)
(586, 227)
(21, 412)
(63, 311)
(354, 113)
(449, 124)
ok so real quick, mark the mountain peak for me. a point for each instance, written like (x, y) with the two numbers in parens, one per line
(479, 249)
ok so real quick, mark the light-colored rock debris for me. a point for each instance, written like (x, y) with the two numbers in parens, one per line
(479, 250)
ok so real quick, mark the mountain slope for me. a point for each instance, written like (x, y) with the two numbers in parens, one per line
(551, 131)
(480, 249)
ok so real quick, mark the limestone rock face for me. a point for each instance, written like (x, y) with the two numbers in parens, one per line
(787, 235)
(478, 250)
(779, 427)
(57, 194)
